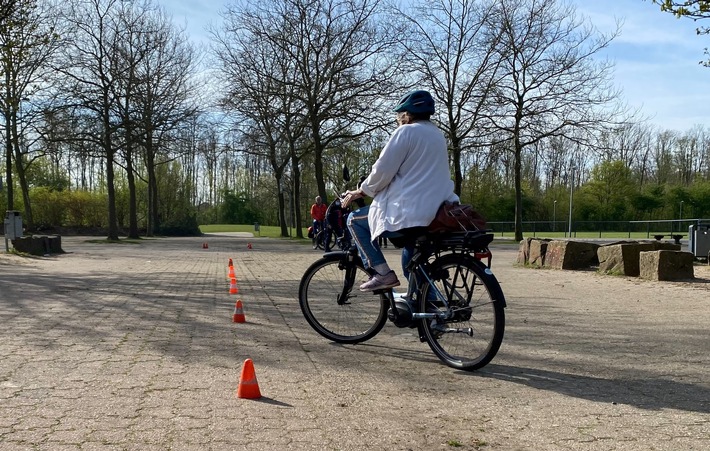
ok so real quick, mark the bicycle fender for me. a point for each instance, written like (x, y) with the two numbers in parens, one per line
(500, 297)
(336, 253)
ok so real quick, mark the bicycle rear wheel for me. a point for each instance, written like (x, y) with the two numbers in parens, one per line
(333, 305)
(329, 240)
(318, 240)
(472, 335)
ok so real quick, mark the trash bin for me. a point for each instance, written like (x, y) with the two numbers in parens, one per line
(13, 225)
(699, 239)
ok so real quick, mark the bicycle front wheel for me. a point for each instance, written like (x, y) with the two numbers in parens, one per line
(471, 335)
(333, 305)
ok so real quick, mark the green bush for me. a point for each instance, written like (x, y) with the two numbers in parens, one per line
(85, 209)
(48, 207)
(238, 209)
(185, 226)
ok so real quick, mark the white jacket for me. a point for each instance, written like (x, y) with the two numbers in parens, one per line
(409, 180)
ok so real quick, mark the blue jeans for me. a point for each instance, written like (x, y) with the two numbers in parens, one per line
(370, 251)
(317, 226)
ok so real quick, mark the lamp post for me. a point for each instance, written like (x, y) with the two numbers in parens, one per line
(571, 194)
(554, 214)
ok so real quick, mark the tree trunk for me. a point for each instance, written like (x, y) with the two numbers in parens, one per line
(8, 174)
(132, 201)
(152, 218)
(295, 162)
(109, 153)
(517, 164)
(456, 162)
(22, 178)
(318, 160)
(112, 220)
(8, 149)
(282, 206)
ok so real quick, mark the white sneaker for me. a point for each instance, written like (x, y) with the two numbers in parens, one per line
(381, 282)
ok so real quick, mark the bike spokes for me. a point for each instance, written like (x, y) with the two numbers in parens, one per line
(333, 308)
(468, 331)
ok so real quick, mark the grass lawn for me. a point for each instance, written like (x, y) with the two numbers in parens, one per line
(264, 231)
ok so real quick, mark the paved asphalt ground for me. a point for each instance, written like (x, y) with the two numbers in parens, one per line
(131, 347)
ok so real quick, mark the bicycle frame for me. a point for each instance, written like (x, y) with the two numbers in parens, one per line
(350, 270)
(470, 243)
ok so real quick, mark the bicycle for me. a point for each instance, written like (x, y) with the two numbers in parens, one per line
(453, 298)
(333, 232)
(337, 234)
(322, 238)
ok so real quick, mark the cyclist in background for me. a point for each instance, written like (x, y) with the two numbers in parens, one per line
(408, 183)
(318, 214)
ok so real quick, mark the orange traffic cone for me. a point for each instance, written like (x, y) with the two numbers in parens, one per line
(205, 246)
(231, 273)
(230, 262)
(238, 316)
(248, 386)
(233, 286)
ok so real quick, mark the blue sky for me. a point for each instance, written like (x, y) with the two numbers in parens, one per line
(656, 56)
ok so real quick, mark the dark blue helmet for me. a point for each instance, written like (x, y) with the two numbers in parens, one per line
(416, 102)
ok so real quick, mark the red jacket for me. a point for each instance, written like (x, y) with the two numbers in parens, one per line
(318, 212)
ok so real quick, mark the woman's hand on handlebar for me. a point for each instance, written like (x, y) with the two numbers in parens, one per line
(351, 196)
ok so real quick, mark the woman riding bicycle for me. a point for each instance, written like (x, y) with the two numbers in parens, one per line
(408, 183)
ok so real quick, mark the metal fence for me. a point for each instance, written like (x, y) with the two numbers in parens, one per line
(598, 228)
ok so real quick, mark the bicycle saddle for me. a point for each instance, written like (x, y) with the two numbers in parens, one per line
(406, 237)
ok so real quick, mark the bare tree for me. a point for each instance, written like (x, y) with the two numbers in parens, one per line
(452, 46)
(321, 63)
(90, 69)
(554, 83)
(662, 157)
(341, 71)
(165, 96)
(258, 97)
(6, 9)
(128, 67)
(28, 40)
(643, 165)
(129, 53)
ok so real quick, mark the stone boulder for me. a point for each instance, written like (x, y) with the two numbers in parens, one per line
(662, 245)
(38, 244)
(623, 257)
(532, 251)
(524, 251)
(571, 255)
(666, 265)
(538, 249)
